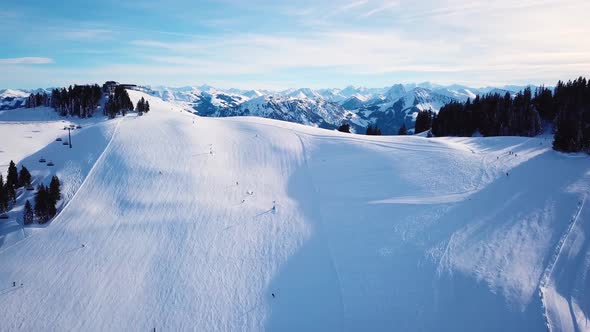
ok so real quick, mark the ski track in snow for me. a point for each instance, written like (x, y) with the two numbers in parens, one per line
(168, 223)
(548, 273)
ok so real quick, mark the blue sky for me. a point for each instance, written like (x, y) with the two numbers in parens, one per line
(277, 45)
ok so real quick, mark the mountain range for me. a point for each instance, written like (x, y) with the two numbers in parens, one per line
(387, 107)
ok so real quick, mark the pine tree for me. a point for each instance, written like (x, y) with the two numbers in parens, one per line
(403, 130)
(146, 106)
(42, 204)
(51, 210)
(572, 123)
(45, 204)
(12, 177)
(140, 107)
(10, 194)
(28, 215)
(3, 196)
(24, 177)
(344, 128)
(423, 121)
(111, 108)
(373, 130)
(54, 190)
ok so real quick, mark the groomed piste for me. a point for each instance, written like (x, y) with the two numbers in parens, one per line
(176, 222)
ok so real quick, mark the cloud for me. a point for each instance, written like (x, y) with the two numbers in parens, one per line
(26, 61)
(352, 5)
(382, 8)
(322, 42)
(84, 34)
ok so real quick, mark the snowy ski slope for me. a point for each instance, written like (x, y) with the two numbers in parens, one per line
(173, 228)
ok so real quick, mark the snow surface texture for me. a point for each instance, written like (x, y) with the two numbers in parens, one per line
(249, 224)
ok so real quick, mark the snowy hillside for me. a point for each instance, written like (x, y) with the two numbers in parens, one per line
(183, 222)
(27, 136)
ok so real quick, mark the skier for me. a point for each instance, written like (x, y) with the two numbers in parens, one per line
(273, 295)
(274, 207)
(14, 284)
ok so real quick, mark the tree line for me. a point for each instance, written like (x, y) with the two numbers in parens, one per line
(14, 181)
(83, 100)
(78, 100)
(566, 108)
(491, 115)
(373, 130)
(46, 200)
(143, 106)
(118, 103)
(571, 104)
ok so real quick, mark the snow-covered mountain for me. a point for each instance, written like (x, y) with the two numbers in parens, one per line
(315, 112)
(387, 107)
(11, 99)
(327, 108)
(396, 107)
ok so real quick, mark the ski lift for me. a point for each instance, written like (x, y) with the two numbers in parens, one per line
(50, 163)
(78, 127)
(3, 216)
(65, 143)
(58, 139)
(42, 160)
(72, 126)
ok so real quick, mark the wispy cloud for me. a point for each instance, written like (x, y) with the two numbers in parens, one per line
(312, 42)
(384, 7)
(84, 34)
(457, 8)
(26, 61)
(352, 5)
